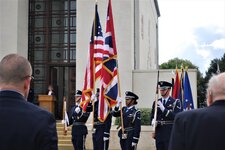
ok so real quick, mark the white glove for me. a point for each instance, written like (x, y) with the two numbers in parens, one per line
(119, 101)
(105, 138)
(133, 144)
(93, 97)
(160, 105)
(77, 110)
(153, 122)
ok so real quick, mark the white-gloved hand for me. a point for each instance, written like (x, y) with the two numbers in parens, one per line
(133, 144)
(77, 109)
(119, 101)
(153, 122)
(160, 105)
(93, 97)
(105, 138)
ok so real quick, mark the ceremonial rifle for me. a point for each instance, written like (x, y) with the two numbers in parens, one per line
(156, 102)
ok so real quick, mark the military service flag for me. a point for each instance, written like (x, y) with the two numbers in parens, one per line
(188, 99)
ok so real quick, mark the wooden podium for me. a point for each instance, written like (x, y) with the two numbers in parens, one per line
(47, 102)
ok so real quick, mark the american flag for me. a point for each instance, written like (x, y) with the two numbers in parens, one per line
(109, 90)
(94, 64)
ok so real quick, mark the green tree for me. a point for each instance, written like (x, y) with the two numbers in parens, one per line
(172, 63)
(213, 69)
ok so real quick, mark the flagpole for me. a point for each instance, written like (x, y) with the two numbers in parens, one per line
(155, 108)
(121, 111)
(94, 30)
(64, 116)
(182, 84)
(93, 101)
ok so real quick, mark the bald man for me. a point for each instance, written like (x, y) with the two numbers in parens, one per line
(23, 125)
(202, 129)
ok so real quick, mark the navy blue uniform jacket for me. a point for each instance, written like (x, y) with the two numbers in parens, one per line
(25, 126)
(172, 107)
(79, 120)
(131, 119)
(200, 129)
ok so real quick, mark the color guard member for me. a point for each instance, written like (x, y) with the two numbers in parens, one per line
(101, 130)
(79, 129)
(131, 121)
(168, 107)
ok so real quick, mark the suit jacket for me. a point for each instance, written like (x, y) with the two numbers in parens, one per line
(200, 129)
(172, 107)
(25, 126)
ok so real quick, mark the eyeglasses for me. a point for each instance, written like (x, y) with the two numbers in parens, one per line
(29, 76)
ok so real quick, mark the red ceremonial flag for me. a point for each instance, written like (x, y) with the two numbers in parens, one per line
(93, 68)
(109, 90)
(176, 87)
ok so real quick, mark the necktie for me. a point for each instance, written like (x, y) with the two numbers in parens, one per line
(164, 102)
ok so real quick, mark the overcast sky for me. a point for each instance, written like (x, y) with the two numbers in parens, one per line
(192, 30)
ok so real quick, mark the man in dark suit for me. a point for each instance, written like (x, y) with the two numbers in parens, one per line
(166, 110)
(23, 125)
(202, 129)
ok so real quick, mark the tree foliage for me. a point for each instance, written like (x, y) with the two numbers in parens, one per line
(172, 63)
(213, 68)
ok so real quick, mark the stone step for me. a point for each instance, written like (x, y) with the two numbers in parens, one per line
(61, 141)
(64, 141)
(61, 127)
(65, 147)
(62, 132)
(64, 137)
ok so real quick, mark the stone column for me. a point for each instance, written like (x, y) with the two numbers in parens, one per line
(14, 27)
